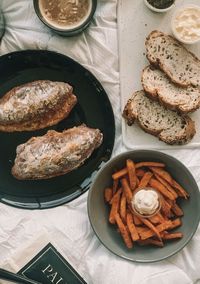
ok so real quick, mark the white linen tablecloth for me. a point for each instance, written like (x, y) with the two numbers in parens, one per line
(68, 225)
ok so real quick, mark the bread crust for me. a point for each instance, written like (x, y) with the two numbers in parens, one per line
(41, 120)
(55, 158)
(127, 113)
(131, 117)
(162, 66)
(155, 95)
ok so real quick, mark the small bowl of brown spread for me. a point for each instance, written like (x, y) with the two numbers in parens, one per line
(159, 6)
(65, 17)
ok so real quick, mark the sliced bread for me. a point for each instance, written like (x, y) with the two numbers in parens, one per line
(153, 118)
(158, 86)
(173, 58)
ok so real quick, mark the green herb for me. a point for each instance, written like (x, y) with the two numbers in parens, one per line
(161, 4)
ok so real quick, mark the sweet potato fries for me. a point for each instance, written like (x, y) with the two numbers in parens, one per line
(156, 229)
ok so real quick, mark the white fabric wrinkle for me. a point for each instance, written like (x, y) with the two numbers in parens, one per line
(90, 61)
(93, 245)
(106, 15)
(166, 277)
(107, 37)
(104, 22)
(189, 258)
(76, 258)
(75, 224)
(13, 43)
(112, 84)
(101, 43)
(78, 202)
(69, 47)
(14, 225)
(16, 18)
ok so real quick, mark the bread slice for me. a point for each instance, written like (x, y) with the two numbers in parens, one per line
(158, 86)
(55, 153)
(153, 118)
(36, 105)
(173, 58)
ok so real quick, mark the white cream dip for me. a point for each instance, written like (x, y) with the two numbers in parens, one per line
(145, 201)
(186, 24)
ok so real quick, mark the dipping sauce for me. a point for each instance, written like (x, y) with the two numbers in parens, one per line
(65, 14)
(145, 201)
(186, 24)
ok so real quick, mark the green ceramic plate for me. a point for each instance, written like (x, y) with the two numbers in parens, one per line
(98, 211)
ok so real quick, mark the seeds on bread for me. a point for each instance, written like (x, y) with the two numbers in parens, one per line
(36, 105)
(180, 65)
(55, 153)
(153, 118)
(158, 86)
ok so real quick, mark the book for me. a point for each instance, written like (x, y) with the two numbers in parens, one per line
(49, 266)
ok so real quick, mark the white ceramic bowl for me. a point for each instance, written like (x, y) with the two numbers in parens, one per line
(175, 33)
(156, 9)
(160, 199)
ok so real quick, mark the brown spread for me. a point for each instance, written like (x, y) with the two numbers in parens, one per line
(64, 14)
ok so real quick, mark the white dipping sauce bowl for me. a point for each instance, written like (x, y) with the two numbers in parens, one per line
(191, 21)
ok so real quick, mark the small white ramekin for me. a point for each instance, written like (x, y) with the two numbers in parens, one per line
(176, 35)
(156, 9)
(160, 199)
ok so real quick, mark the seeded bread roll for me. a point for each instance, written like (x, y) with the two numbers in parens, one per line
(157, 85)
(180, 65)
(35, 105)
(153, 118)
(55, 153)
